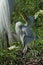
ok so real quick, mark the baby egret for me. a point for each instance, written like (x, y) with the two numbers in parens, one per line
(24, 33)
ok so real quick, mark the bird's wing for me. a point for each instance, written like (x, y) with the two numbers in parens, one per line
(28, 33)
(24, 31)
(27, 39)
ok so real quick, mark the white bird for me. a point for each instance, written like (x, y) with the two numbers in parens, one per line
(24, 33)
(6, 8)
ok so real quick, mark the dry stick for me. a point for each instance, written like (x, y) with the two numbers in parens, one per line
(13, 47)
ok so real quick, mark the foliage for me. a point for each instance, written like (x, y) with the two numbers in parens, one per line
(30, 7)
(27, 7)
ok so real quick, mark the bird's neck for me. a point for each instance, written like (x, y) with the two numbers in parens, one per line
(27, 25)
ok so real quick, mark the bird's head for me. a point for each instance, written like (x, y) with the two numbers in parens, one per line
(30, 20)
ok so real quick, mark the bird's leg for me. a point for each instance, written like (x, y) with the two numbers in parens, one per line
(3, 40)
(25, 49)
(7, 40)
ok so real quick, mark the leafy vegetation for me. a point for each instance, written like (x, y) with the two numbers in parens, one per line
(25, 7)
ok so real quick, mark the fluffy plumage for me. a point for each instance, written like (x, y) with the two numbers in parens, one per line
(24, 33)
